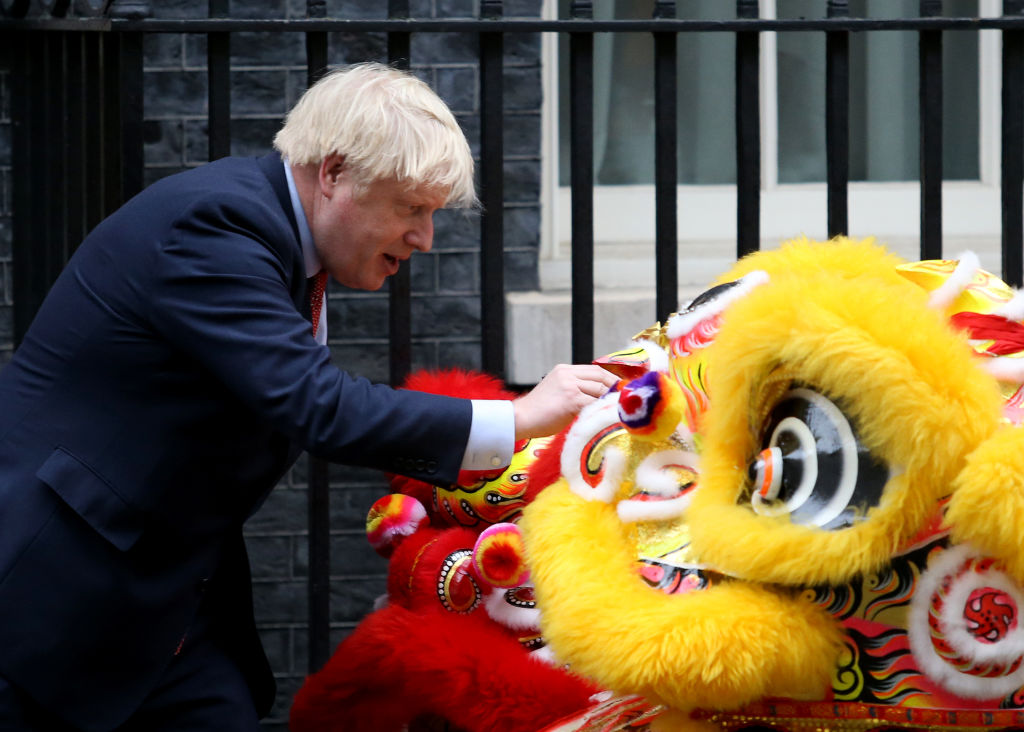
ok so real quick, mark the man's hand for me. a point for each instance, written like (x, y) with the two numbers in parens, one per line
(559, 397)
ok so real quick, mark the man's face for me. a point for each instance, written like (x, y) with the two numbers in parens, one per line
(361, 239)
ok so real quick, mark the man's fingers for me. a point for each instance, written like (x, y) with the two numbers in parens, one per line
(594, 388)
(583, 374)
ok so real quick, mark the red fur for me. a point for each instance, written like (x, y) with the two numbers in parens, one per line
(397, 665)
(502, 563)
(412, 572)
(413, 659)
(449, 382)
(458, 383)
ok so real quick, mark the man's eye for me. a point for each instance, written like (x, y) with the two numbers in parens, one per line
(813, 465)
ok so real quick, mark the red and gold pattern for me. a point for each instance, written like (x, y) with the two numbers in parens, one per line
(490, 500)
(457, 591)
(817, 716)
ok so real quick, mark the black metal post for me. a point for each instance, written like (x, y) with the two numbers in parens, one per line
(930, 110)
(492, 195)
(218, 66)
(130, 99)
(400, 284)
(113, 155)
(55, 132)
(666, 243)
(581, 157)
(319, 485)
(36, 247)
(74, 142)
(837, 121)
(131, 114)
(25, 50)
(748, 134)
(93, 128)
(1013, 149)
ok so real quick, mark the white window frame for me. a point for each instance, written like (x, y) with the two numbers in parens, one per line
(624, 215)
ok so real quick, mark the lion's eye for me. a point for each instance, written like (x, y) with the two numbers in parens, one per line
(813, 465)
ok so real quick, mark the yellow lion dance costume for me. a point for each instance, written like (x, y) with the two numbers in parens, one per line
(805, 509)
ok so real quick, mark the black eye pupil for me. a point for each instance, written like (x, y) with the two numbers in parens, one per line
(813, 466)
(792, 464)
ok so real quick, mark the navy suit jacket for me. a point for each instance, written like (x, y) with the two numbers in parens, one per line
(168, 381)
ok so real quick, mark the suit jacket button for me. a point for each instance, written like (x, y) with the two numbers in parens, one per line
(203, 585)
(431, 466)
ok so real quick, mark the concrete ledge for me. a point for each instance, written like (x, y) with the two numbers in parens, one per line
(539, 327)
(538, 323)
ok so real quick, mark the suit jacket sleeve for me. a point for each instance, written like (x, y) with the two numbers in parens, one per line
(222, 290)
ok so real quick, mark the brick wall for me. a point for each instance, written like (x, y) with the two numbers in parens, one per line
(268, 74)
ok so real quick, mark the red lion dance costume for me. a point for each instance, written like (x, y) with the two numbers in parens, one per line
(458, 637)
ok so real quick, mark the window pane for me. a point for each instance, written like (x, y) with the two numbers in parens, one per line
(624, 97)
(884, 133)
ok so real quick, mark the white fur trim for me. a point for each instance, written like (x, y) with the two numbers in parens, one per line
(611, 481)
(933, 665)
(1005, 368)
(632, 511)
(652, 477)
(510, 616)
(595, 417)
(961, 640)
(682, 323)
(657, 357)
(544, 654)
(1012, 309)
(949, 290)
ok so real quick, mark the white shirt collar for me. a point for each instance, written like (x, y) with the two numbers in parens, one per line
(305, 235)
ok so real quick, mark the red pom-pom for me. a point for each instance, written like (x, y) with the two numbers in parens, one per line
(499, 557)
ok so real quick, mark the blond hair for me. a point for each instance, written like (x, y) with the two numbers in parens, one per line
(387, 124)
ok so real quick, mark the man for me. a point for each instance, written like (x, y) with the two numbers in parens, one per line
(175, 372)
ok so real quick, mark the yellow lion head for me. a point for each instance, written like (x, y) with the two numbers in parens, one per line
(832, 406)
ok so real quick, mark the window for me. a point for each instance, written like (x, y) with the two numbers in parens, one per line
(883, 135)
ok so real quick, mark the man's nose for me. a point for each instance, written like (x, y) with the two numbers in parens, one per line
(421, 237)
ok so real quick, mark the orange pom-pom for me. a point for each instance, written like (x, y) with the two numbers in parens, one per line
(499, 556)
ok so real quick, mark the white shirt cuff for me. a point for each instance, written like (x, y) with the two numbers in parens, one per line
(492, 435)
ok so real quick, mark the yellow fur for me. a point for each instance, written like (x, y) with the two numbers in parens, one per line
(838, 319)
(611, 627)
(987, 508)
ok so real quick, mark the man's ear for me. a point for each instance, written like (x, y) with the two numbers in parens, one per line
(332, 172)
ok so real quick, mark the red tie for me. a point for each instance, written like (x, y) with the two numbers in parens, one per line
(316, 296)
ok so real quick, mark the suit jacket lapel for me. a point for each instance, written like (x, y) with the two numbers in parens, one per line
(273, 168)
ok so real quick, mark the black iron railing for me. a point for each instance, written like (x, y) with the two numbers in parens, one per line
(78, 145)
